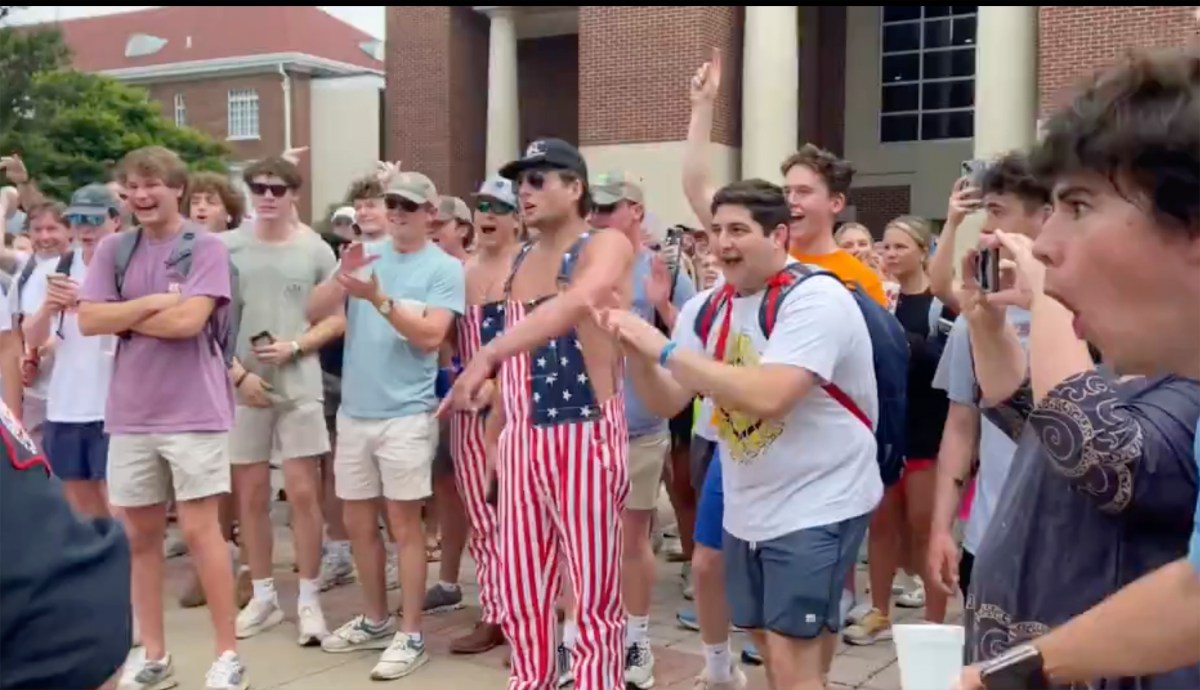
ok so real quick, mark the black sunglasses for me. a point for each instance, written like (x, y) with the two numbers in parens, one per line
(276, 190)
(606, 209)
(397, 203)
(498, 208)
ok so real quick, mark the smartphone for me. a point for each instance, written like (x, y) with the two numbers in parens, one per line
(987, 270)
(263, 338)
(974, 170)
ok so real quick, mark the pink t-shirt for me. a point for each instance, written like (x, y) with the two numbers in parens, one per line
(164, 385)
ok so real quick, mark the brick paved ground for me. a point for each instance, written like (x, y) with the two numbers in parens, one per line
(275, 661)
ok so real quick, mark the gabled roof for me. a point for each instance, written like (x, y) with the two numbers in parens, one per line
(140, 42)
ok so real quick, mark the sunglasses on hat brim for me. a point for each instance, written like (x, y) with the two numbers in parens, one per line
(92, 220)
(494, 206)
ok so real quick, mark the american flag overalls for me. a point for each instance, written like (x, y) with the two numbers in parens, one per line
(563, 473)
(477, 327)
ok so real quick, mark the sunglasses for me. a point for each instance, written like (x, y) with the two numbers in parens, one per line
(88, 220)
(605, 209)
(399, 203)
(498, 208)
(276, 190)
(535, 177)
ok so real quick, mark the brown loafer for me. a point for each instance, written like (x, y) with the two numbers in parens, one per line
(484, 637)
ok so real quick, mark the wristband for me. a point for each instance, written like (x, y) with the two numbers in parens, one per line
(665, 353)
(240, 379)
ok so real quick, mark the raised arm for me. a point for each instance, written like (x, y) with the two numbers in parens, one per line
(963, 201)
(698, 186)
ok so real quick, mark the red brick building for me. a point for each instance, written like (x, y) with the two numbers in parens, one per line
(261, 78)
(907, 93)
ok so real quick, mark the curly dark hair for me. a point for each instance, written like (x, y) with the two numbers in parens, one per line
(837, 173)
(766, 202)
(1136, 124)
(1013, 174)
(216, 183)
(365, 187)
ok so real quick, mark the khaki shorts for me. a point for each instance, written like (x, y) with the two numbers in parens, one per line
(392, 458)
(144, 468)
(261, 434)
(647, 455)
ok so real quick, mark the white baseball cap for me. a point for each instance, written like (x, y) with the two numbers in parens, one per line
(345, 212)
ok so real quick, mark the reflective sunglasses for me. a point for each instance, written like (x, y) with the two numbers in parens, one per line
(276, 190)
(86, 219)
(399, 203)
(498, 208)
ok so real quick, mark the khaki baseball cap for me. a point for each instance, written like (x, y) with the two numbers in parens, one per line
(451, 207)
(413, 186)
(610, 187)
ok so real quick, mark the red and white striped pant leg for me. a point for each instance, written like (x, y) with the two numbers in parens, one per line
(470, 474)
(592, 485)
(529, 554)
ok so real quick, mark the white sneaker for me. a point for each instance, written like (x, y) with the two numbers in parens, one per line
(143, 674)
(336, 569)
(356, 634)
(738, 680)
(401, 658)
(258, 616)
(312, 626)
(226, 673)
(393, 572)
(914, 598)
(639, 666)
(859, 612)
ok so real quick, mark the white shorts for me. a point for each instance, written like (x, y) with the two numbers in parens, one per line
(392, 458)
(288, 433)
(144, 468)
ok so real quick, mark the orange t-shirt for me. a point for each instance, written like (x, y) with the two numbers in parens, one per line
(843, 264)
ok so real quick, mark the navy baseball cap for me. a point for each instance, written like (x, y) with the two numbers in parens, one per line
(93, 200)
(548, 153)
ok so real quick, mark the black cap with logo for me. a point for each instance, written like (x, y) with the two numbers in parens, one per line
(548, 153)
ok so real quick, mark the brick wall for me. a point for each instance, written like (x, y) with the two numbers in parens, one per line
(548, 87)
(1074, 41)
(635, 66)
(207, 103)
(877, 206)
(437, 93)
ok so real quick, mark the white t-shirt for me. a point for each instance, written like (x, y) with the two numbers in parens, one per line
(817, 466)
(26, 302)
(78, 387)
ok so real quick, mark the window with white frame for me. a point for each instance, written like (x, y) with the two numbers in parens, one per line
(243, 114)
(180, 111)
(928, 73)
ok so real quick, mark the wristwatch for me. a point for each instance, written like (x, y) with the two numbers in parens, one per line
(385, 307)
(1020, 668)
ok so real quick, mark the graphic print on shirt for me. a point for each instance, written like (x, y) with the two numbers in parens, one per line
(748, 438)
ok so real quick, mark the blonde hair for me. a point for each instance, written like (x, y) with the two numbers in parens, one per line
(915, 227)
(847, 228)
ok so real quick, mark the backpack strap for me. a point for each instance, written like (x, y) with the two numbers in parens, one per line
(65, 262)
(935, 316)
(26, 273)
(707, 316)
(127, 244)
(181, 256)
(571, 258)
(517, 261)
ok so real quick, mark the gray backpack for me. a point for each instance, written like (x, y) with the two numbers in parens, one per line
(222, 338)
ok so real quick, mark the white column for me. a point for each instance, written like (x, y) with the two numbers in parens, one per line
(1006, 58)
(770, 89)
(503, 120)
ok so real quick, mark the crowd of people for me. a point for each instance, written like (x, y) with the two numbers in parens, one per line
(519, 375)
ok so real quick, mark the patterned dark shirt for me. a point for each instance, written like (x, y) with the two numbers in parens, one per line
(1100, 494)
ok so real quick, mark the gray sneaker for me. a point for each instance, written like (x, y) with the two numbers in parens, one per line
(439, 599)
(173, 546)
(144, 674)
(336, 569)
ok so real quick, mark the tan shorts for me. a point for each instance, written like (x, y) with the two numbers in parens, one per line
(392, 458)
(261, 434)
(647, 455)
(143, 468)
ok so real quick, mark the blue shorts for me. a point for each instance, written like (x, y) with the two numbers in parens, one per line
(77, 451)
(710, 508)
(792, 585)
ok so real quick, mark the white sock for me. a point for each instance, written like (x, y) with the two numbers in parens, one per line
(309, 593)
(264, 590)
(637, 629)
(718, 662)
(570, 634)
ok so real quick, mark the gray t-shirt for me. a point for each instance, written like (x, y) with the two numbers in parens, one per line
(956, 375)
(275, 281)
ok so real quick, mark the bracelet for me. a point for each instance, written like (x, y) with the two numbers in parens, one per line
(665, 353)
(240, 379)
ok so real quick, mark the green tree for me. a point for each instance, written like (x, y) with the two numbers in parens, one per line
(71, 127)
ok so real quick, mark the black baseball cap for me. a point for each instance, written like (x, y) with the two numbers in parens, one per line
(548, 153)
(93, 200)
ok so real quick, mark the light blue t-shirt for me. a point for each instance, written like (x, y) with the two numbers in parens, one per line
(956, 375)
(641, 422)
(1194, 548)
(384, 377)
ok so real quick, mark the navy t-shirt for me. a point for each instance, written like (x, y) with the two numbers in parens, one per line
(65, 618)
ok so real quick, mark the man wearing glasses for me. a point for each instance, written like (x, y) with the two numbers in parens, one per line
(406, 293)
(73, 436)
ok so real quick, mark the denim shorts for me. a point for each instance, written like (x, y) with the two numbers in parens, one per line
(77, 451)
(792, 585)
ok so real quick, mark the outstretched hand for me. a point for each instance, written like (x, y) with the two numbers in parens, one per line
(706, 83)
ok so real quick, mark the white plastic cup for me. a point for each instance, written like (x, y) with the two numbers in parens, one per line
(931, 656)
